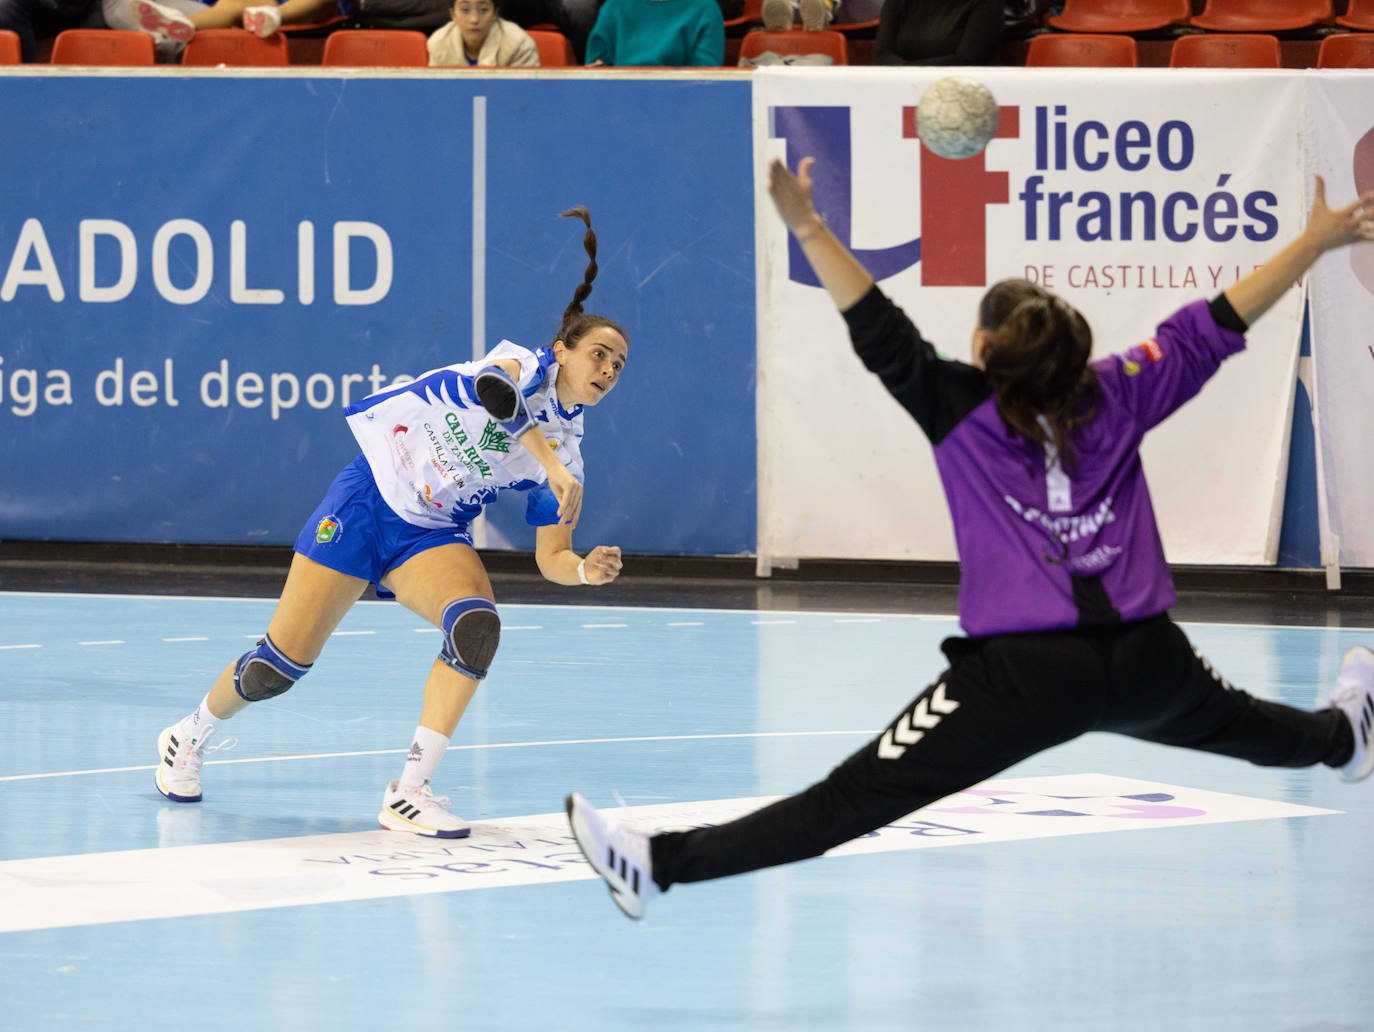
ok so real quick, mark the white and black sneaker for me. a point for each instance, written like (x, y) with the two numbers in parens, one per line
(619, 854)
(419, 811)
(179, 755)
(1354, 696)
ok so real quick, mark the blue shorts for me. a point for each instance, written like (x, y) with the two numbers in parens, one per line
(354, 531)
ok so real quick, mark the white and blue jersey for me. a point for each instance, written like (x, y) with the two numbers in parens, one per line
(438, 457)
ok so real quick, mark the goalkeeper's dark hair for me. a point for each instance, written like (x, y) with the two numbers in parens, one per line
(577, 323)
(1036, 360)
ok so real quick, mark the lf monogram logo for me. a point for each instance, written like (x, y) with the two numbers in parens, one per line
(925, 715)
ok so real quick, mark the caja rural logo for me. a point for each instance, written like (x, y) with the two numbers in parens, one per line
(954, 196)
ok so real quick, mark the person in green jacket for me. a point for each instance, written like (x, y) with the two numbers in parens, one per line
(662, 33)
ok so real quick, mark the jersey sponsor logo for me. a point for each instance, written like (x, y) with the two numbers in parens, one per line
(328, 530)
(457, 439)
(494, 438)
(1152, 350)
(1129, 368)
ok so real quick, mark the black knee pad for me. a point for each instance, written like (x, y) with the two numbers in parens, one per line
(265, 672)
(472, 632)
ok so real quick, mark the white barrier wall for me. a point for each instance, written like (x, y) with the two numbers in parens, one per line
(1128, 192)
(1340, 138)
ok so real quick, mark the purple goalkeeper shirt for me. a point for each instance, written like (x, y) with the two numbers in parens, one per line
(1041, 548)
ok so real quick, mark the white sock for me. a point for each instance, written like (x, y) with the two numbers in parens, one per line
(200, 725)
(426, 750)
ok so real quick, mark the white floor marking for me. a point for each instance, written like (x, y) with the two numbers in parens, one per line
(178, 880)
(451, 748)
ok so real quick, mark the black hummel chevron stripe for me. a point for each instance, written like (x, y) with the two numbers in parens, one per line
(634, 882)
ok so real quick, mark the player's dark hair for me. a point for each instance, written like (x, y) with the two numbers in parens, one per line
(1037, 363)
(577, 323)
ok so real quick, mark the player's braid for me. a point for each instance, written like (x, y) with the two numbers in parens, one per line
(576, 322)
(584, 288)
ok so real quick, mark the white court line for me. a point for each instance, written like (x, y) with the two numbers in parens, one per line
(451, 748)
(21, 646)
(686, 623)
(112, 641)
(176, 880)
(344, 634)
(712, 610)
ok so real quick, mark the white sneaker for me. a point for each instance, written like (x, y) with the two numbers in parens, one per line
(420, 812)
(164, 22)
(619, 854)
(1354, 696)
(262, 21)
(178, 770)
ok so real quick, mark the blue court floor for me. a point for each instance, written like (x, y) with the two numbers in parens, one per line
(1104, 885)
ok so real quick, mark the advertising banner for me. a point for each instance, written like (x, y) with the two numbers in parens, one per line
(1130, 193)
(1340, 147)
(198, 273)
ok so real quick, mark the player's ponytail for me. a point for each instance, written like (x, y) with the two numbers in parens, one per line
(1036, 359)
(577, 323)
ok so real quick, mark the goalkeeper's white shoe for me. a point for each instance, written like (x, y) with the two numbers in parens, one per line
(1354, 696)
(420, 812)
(619, 854)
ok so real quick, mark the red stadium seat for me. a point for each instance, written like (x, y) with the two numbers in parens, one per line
(376, 48)
(1226, 50)
(1081, 50)
(1121, 15)
(796, 41)
(554, 49)
(1351, 50)
(102, 47)
(235, 48)
(1358, 15)
(1262, 15)
(9, 47)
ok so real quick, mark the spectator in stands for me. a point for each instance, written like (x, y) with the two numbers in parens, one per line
(173, 23)
(664, 33)
(30, 19)
(478, 36)
(939, 32)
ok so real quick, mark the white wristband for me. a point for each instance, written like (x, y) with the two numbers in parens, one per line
(582, 572)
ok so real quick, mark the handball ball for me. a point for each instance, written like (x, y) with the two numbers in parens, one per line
(956, 117)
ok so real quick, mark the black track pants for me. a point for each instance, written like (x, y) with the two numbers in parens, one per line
(1001, 700)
